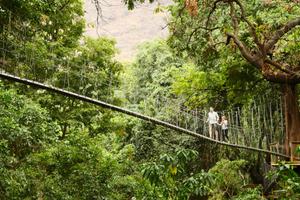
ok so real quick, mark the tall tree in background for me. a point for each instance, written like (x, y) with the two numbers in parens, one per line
(263, 32)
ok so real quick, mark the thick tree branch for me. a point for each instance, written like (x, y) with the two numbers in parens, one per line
(244, 50)
(212, 11)
(279, 67)
(281, 32)
(281, 78)
(198, 28)
(252, 27)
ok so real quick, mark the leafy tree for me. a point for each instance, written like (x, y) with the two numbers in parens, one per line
(25, 128)
(287, 182)
(35, 34)
(232, 181)
(171, 178)
(153, 71)
(59, 21)
(229, 177)
(25, 125)
(147, 86)
(263, 33)
(81, 168)
(91, 71)
(222, 88)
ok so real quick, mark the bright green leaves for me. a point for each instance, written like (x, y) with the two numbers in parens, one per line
(25, 126)
(197, 87)
(200, 184)
(52, 20)
(231, 181)
(152, 75)
(148, 82)
(90, 69)
(288, 181)
(229, 176)
(171, 177)
(79, 167)
(152, 172)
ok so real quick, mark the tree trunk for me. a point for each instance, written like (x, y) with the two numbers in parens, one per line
(292, 115)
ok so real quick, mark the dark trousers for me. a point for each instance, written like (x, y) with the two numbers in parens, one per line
(225, 135)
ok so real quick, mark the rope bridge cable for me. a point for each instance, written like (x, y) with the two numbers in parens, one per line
(129, 112)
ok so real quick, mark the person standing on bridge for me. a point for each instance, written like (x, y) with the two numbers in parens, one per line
(212, 120)
(224, 127)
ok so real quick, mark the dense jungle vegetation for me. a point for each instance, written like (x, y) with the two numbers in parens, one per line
(222, 53)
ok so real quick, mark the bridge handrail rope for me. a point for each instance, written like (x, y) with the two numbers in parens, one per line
(235, 127)
(103, 104)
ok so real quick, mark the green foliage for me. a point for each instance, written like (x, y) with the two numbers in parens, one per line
(60, 21)
(229, 179)
(288, 182)
(171, 179)
(250, 194)
(25, 128)
(77, 168)
(203, 40)
(227, 81)
(90, 70)
(78, 164)
(153, 69)
(297, 150)
(147, 89)
(198, 88)
(53, 147)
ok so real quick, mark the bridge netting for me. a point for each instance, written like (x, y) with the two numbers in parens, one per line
(254, 126)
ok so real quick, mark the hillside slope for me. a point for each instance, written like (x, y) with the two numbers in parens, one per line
(129, 28)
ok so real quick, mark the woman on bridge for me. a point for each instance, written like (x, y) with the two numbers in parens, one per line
(224, 128)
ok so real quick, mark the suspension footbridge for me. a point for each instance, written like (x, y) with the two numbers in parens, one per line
(254, 127)
(153, 120)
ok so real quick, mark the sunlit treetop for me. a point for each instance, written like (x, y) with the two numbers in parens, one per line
(53, 20)
(265, 32)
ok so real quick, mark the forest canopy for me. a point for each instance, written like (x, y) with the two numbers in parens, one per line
(239, 56)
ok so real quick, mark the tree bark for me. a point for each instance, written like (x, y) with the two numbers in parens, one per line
(292, 115)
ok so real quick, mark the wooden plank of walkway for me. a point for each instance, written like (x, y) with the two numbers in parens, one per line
(13, 78)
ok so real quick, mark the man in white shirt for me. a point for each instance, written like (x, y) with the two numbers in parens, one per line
(212, 120)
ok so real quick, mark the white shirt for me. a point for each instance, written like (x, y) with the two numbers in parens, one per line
(213, 117)
(224, 124)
